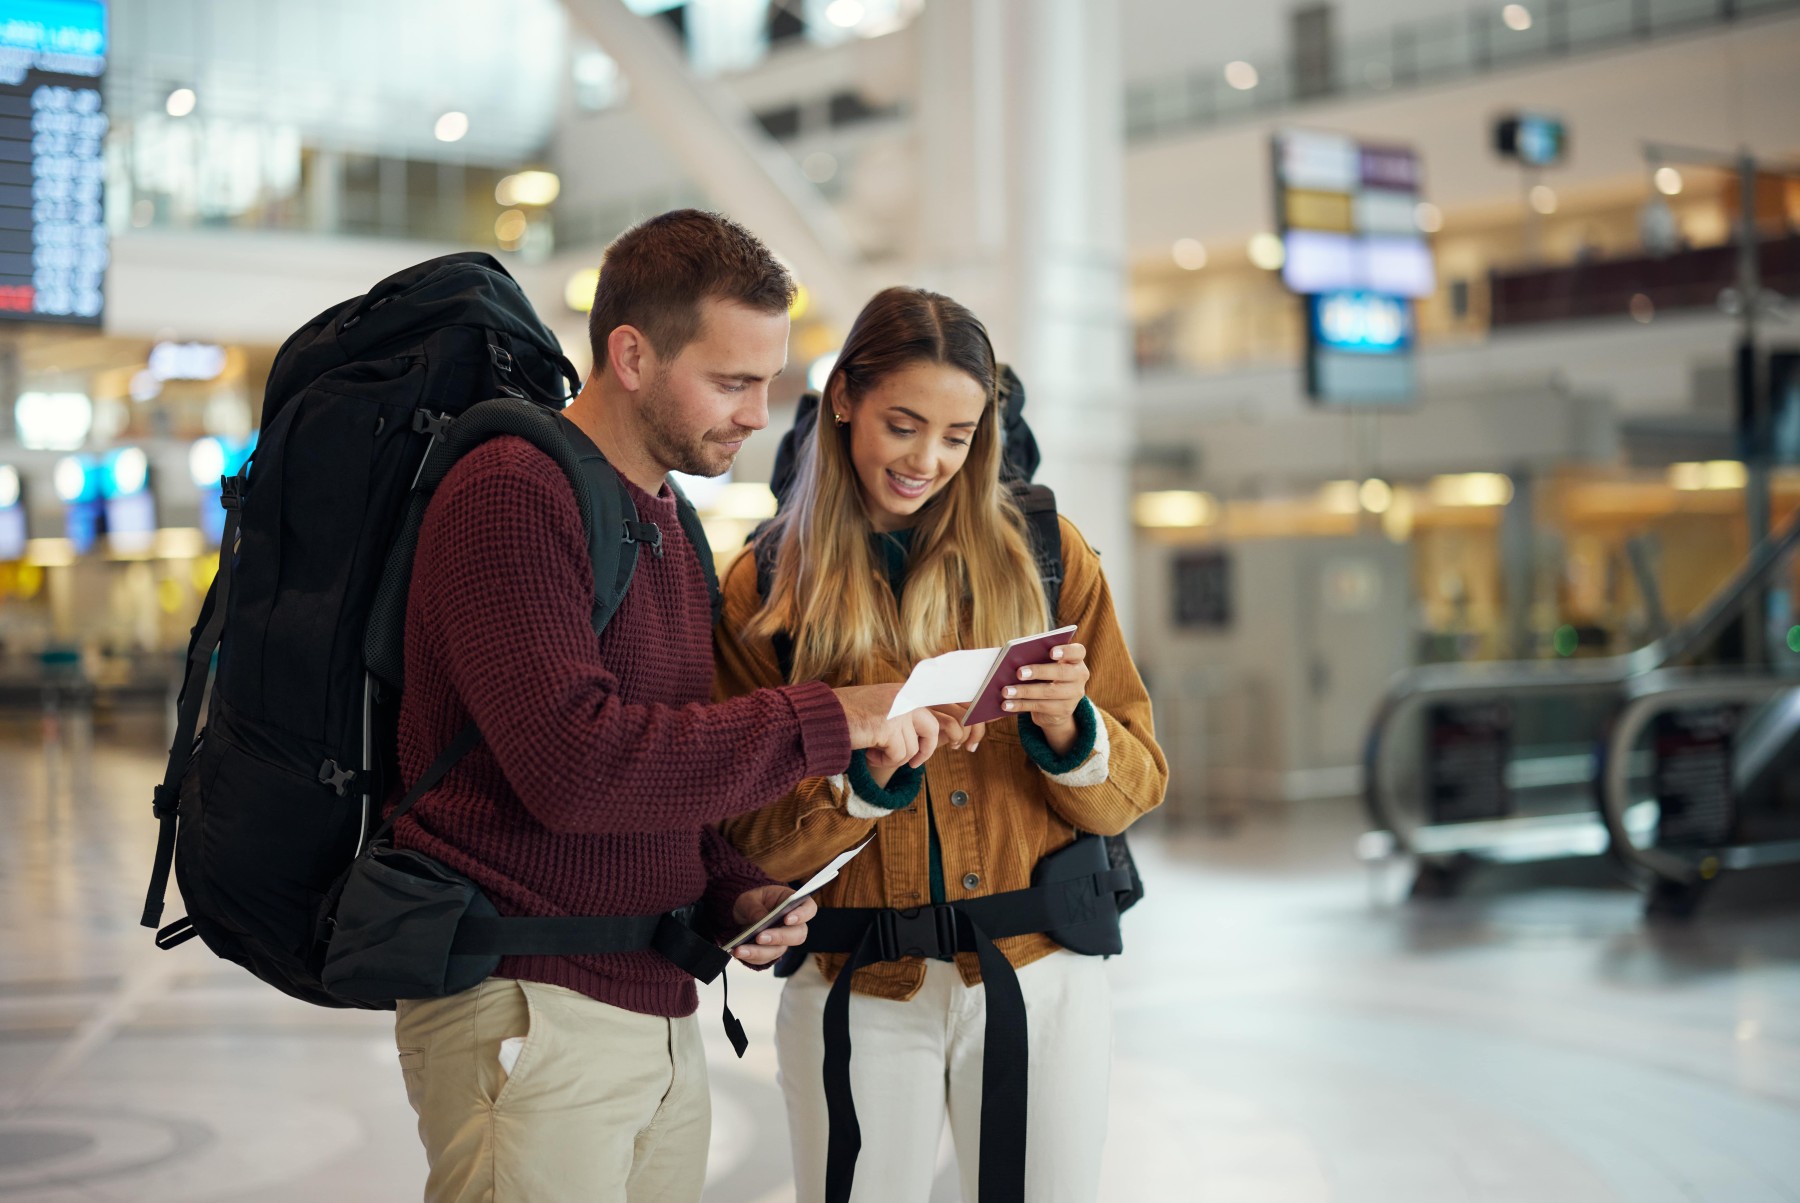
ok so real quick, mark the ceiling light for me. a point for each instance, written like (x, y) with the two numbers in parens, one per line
(1428, 217)
(1267, 252)
(1241, 75)
(1375, 495)
(128, 470)
(9, 486)
(1517, 17)
(578, 293)
(1189, 254)
(53, 421)
(1713, 474)
(509, 227)
(70, 478)
(206, 462)
(1174, 508)
(528, 188)
(181, 102)
(452, 126)
(820, 371)
(1543, 199)
(1471, 490)
(1668, 181)
(1339, 497)
(845, 14)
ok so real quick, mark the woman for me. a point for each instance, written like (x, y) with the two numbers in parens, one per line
(898, 542)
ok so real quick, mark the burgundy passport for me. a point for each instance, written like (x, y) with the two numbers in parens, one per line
(1032, 649)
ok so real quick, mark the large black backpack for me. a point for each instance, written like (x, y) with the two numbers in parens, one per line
(1019, 463)
(367, 407)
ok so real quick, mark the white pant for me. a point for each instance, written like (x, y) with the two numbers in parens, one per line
(914, 1063)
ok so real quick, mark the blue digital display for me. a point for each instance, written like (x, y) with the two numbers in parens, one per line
(12, 532)
(1362, 323)
(67, 37)
(53, 123)
(1359, 349)
(1532, 138)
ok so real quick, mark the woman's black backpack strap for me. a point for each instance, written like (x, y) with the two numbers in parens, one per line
(1038, 504)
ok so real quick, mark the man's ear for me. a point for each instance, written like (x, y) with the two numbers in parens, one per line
(630, 356)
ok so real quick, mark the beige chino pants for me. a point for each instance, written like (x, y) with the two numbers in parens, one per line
(601, 1104)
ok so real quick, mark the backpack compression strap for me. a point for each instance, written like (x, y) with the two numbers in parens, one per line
(207, 629)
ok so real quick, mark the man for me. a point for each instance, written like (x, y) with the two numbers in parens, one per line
(602, 768)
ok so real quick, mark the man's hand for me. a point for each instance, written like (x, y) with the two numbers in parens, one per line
(952, 733)
(909, 739)
(778, 937)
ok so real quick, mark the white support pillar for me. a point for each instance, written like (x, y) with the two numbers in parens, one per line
(722, 149)
(1022, 151)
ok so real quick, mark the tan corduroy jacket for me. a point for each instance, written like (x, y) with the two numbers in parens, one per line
(997, 812)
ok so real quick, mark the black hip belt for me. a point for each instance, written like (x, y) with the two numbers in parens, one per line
(1074, 900)
(402, 925)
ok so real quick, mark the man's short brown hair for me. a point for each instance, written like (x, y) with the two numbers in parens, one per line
(656, 274)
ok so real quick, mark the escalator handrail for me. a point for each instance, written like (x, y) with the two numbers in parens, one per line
(1505, 677)
(1645, 698)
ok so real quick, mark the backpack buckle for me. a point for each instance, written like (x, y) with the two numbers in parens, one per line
(337, 778)
(231, 491)
(920, 931)
(645, 532)
(501, 356)
(435, 425)
(165, 802)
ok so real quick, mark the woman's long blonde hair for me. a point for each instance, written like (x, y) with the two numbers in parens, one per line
(970, 570)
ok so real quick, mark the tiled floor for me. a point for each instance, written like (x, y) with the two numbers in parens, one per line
(1287, 1034)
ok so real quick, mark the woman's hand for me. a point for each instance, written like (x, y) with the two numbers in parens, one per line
(1050, 693)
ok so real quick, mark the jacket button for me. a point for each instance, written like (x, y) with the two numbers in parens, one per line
(959, 798)
(971, 880)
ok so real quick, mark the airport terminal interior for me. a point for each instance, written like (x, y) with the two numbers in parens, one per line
(1426, 372)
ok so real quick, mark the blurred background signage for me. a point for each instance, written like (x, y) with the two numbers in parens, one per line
(53, 242)
(1354, 249)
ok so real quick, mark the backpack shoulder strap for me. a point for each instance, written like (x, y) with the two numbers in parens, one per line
(765, 550)
(384, 642)
(696, 534)
(1038, 504)
(615, 534)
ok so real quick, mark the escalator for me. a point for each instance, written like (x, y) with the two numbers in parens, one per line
(1676, 759)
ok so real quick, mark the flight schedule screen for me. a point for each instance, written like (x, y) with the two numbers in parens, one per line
(53, 247)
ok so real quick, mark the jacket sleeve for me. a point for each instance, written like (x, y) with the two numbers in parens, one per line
(804, 828)
(502, 583)
(1125, 774)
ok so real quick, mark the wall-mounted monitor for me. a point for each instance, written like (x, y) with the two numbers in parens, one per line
(53, 245)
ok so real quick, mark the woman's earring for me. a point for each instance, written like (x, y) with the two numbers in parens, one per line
(841, 419)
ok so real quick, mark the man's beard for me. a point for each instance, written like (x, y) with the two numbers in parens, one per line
(680, 450)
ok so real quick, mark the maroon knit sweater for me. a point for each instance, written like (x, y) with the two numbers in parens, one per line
(602, 766)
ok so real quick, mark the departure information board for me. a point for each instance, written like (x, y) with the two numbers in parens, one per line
(53, 247)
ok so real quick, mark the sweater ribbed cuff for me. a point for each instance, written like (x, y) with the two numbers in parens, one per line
(1087, 736)
(878, 800)
(824, 731)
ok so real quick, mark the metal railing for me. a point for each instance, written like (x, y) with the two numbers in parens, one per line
(1482, 40)
(1598, 678)
(1646, 698)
